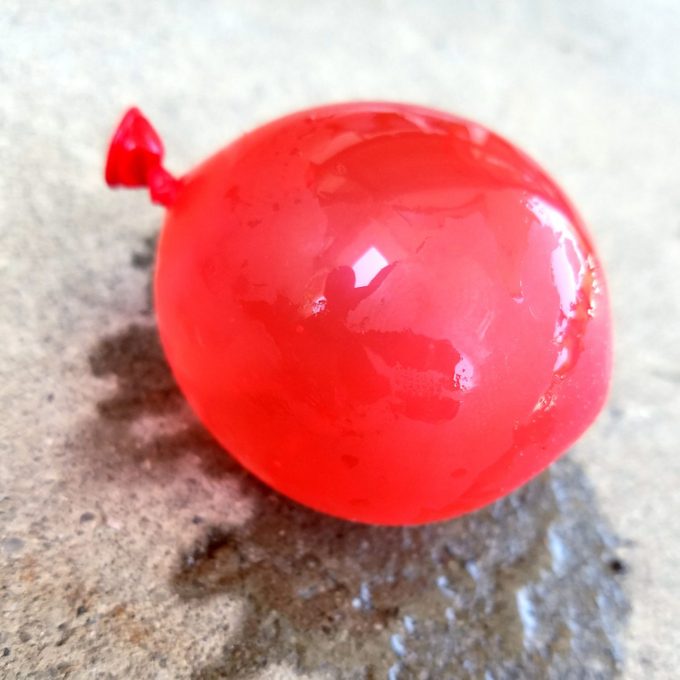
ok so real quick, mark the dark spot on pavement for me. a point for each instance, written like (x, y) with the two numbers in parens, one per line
(144, 258)
(617, 566)
(144, 382)
(520, 589)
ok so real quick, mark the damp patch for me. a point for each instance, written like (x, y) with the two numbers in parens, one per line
(523, 589)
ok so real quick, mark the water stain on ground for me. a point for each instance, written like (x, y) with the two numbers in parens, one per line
(527, 588)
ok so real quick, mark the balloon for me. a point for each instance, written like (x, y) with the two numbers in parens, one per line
(387, 313)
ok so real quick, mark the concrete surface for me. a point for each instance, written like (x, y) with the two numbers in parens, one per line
(131, 546)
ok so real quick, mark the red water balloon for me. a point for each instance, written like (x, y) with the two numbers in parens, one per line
(387, 313)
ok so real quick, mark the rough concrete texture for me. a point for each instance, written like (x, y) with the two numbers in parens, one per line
(131, 546)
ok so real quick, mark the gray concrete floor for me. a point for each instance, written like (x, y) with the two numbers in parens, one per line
(110, 495)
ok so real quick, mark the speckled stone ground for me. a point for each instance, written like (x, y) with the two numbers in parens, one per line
(131, 546)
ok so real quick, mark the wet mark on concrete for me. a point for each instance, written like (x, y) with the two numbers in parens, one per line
(144, 257)
(145, 387)
(144, 383)
(524, 589)
(530, 587)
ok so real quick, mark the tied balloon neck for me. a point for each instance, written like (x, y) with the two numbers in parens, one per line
(163, 187)
(135, 159)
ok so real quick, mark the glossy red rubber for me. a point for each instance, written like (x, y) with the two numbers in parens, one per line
(387, 313)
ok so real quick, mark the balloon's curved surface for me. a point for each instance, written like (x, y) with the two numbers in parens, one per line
(387, 313)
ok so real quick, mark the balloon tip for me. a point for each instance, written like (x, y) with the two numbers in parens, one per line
(135, 159)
